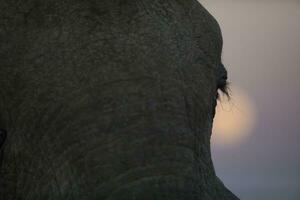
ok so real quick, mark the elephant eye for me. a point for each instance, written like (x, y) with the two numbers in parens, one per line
(222, 83)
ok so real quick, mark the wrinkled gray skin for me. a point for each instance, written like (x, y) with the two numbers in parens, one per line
(108, 100)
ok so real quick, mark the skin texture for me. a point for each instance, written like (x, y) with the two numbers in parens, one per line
(109, 99)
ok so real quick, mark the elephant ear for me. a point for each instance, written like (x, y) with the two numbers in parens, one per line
(3, 135)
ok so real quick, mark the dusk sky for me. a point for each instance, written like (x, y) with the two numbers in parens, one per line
(262, 55)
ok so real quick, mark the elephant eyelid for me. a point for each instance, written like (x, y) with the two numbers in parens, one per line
(224, 88)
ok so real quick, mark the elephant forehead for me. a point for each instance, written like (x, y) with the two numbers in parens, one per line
(179, 27)
(187, 23)
(166, 32)
(165, 39)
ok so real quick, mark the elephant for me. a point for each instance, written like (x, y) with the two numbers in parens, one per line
(109, 100)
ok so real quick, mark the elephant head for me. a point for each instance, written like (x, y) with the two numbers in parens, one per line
(109, 100)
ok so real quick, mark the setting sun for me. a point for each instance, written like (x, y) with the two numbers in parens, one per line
(234, 119)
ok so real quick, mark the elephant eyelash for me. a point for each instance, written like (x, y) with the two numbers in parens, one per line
(222, 83)
(224, 88)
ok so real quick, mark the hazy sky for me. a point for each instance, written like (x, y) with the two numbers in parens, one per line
(262, 55)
